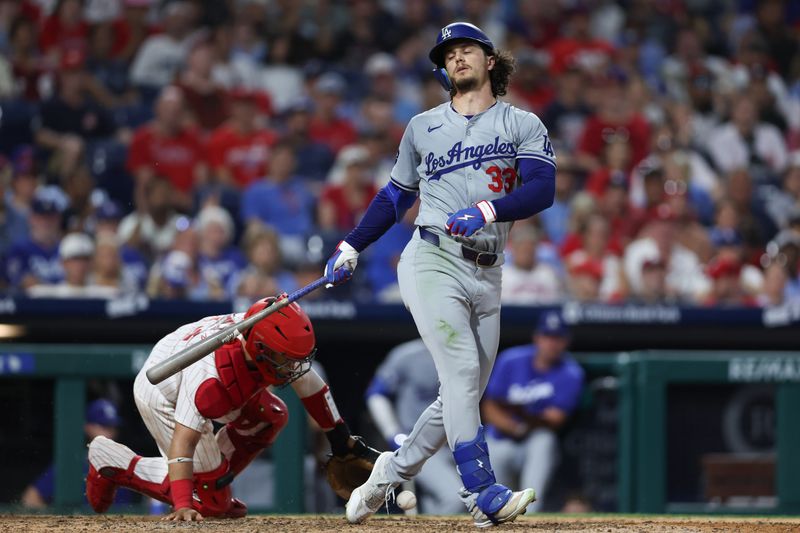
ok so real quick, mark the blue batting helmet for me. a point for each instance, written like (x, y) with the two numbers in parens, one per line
(458, 30)
(450, 33)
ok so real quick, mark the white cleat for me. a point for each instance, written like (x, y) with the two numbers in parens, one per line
(367, 499)
(514, 507)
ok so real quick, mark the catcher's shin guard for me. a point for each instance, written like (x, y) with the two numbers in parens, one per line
(101, 485)
(262, 418)
(213, 494)
(100, 491)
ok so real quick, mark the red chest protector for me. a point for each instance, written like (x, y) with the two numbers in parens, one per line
(236, 384)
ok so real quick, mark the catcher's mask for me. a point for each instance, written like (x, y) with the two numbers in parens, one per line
(282, 345)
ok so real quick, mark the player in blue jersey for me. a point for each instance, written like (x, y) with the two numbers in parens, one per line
(477, 164)
(532, 391)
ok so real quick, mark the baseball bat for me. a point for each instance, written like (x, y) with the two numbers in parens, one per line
(188, 356)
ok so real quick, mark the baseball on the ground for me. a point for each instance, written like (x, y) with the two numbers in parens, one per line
(406, 500)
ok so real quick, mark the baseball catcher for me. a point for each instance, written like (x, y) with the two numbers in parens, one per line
(230, 387)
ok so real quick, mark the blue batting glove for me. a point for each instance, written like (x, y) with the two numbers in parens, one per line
(467, 222)
(341, 265)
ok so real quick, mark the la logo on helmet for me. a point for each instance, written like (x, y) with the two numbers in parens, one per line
(446, 32)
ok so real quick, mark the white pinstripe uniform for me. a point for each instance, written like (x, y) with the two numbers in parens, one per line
(172, 401)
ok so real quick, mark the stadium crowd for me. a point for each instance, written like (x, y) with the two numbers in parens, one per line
(219, 149)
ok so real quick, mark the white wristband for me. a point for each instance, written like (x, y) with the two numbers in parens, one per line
(488, 211)
(179, 460)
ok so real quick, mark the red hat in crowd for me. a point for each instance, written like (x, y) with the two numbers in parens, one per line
(259, 99)
(582, 264)
(720, 267)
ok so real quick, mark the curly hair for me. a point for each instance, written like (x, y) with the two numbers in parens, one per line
(500, 75)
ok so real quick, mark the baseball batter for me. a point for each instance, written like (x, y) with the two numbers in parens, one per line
(477, 165)
(229, 387)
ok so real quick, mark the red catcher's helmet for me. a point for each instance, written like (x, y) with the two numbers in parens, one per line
(282, 344)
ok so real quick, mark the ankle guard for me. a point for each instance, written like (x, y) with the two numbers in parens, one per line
(492, 499)
(472, 463)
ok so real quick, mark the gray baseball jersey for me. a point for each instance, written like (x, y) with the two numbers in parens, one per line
(455, 162)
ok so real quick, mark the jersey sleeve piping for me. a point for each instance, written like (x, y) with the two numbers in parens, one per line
(404, 187)
(537, 157)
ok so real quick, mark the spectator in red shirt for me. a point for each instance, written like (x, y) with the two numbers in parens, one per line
(531, 86)
(585, 275)
(595, 246)
(167, 147)
(27, 64)
(239, 150)
(326, 125)
(614, 120)
(577, 46)
(64, 30)
(131, 29)
(616, 160)
(206, 100)
(342, 205)
(726, 287)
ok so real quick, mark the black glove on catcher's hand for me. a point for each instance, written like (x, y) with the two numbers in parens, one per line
(351, 462)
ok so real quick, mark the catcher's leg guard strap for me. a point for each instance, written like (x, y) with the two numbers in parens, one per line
(215, 500)
(128, 479)
(472, 461)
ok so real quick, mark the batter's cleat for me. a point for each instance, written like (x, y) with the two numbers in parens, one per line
(514, 507)
(100, 490)
(367, 499)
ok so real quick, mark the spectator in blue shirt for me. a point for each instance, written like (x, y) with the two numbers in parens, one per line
(35, 260)
(101, 419)
(218, 261)
(282, 201)
(531, 393)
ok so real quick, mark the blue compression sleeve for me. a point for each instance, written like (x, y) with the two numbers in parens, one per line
(378, 386)
(536, 194)
(388, 207)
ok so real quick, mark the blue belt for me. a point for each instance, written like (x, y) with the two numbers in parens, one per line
(482, 259)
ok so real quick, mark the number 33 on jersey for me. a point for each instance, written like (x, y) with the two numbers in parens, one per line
(457, 161)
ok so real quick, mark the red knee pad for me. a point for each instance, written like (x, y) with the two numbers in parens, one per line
(258, 425)
(263, 408)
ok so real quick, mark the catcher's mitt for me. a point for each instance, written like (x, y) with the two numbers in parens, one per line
(346, 472)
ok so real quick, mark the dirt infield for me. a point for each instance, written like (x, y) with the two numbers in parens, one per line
(400, 524)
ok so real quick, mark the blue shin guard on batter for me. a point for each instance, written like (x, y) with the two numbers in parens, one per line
(472, 462)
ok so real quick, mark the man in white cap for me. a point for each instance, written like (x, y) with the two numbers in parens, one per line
(75, 252)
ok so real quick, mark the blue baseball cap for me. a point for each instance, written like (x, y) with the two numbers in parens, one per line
(43, 205)
(102, 412)
(108, 210)
(552, 324)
